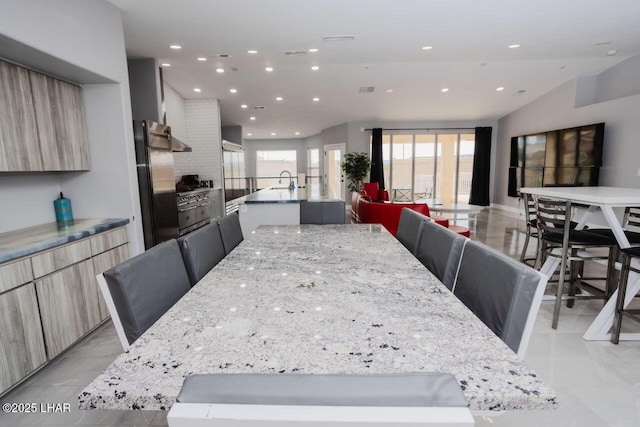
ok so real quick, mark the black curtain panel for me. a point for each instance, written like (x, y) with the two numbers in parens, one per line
(377, 171)
(481, 168)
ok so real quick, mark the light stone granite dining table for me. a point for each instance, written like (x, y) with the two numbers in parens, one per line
(313, 299)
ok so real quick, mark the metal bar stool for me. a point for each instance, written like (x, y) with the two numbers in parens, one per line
(531, 230)
(627, 256)
(560, 239)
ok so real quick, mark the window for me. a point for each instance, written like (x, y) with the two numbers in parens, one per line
(271, 163)
(428, 166)
(313, 166)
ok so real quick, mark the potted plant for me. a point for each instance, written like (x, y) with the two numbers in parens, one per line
(356, 166)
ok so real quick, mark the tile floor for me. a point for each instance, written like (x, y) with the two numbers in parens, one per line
(598, 383)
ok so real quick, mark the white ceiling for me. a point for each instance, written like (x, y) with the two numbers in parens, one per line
(559, 40)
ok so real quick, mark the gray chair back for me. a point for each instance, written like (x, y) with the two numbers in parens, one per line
(424, 389)
(230, 231)
(144, 287)
(440, 250)
(201, 250)
(502, 292)
(410, 228)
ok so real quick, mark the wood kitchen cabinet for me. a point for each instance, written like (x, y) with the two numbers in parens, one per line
(19, 144)
(108, 249)
(68, 305)
(21, 341)
(61, 124)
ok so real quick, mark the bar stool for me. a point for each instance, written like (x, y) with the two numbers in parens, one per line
(559, 239)
(531, 230)
(627, 256)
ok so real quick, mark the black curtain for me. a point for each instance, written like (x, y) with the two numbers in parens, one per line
(377, 171)
(481, 168)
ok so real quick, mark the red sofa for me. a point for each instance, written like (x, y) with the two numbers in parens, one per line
(366, 211)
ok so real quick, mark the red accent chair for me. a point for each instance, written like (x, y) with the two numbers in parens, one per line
(388, 214)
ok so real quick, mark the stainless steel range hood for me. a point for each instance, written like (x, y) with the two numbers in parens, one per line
(179, 146)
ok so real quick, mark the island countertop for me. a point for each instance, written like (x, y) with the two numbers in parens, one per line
(27, 241)
(310, 193)
(316, 299)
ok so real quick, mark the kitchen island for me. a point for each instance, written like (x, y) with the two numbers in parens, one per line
(281, 206)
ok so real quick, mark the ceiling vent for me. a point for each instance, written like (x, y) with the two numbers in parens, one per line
(296, 53)
(367, 89)
(259, 107)
(520, 92)
(338, 38)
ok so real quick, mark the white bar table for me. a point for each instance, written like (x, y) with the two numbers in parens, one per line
(311, 299)
(604, 199)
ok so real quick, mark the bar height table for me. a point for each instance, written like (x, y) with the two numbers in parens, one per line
(603, 199)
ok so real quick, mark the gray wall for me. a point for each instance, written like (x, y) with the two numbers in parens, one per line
(90, 51)
(557, 110)
(144, 82)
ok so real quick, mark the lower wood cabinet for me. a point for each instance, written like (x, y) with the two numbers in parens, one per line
(21, 342)
(102, 263)
(69, 305)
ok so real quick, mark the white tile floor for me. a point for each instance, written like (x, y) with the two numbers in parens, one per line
(598, 383)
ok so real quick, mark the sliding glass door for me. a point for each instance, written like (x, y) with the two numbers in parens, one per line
(432, 167)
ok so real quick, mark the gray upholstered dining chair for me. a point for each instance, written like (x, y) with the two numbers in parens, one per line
(140, 290)
(201, 250)
(429, 399)
(440, 250)
(230, 231)
(410, 228)
(504, 293)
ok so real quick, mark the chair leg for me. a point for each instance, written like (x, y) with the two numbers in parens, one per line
(526, 245)
(622, 290)
(556, 311)
(612, 273)
(575, 268)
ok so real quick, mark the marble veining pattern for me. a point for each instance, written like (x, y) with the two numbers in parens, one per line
(318, 299)
(310, 193)
(27, 241)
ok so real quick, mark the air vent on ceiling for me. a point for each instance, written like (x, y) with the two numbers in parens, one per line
(520, 92)
(259, 107)
(338, 38)
(366, 89)
(223, 55)
(295, 52)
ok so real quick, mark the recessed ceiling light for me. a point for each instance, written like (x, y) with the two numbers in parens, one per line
(427, 47)
(220, 70)
(273, 134)
(252, 52)
(315, 68)
(500, 89)
(244, 106)
(197, 89)
(389, 90)
(278, 98)
(252, 118)
(316, 99)
(611, 52)
(513, 46)
(268, 69)
(313, 50)
(202, 58)
(444, 89)
(249, 134)
(166, 64)
(175, 46)
(297, 133)
(233, 90)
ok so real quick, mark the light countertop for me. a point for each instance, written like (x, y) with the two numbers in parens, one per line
(310, 193)
(318, 300)
(26, 241)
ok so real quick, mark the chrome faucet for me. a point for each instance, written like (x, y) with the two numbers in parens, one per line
(292, 185)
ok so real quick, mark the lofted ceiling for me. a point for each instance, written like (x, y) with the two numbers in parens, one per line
(559, 40)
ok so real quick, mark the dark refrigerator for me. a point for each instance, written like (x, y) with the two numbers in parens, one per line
(156, 181)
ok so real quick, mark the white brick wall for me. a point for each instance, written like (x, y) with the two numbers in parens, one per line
(197, 123)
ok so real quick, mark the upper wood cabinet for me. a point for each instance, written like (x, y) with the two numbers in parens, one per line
(19, 146)
(42, 125)
(61, 125)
